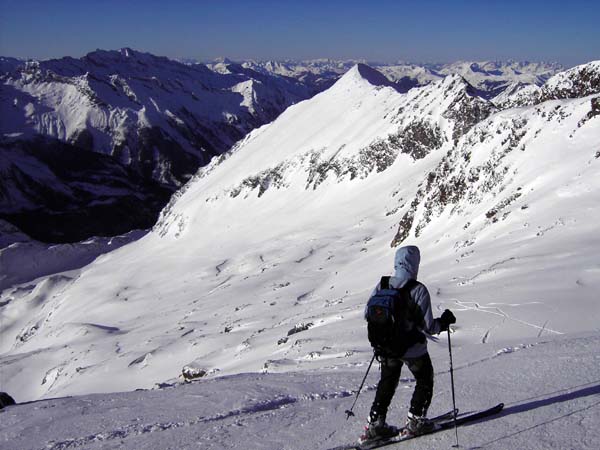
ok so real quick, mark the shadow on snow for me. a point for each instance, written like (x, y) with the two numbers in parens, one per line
(584, 390)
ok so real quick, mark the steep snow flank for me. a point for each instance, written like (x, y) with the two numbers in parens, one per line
(343, 119)
(349, 131)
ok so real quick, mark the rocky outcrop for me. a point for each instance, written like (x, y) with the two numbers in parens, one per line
(465, 177)
(577, 82)
(6, 400)
(417, 140)
(466, 109)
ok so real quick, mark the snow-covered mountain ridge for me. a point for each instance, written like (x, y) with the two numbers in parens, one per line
(151, 122)
(264, 260)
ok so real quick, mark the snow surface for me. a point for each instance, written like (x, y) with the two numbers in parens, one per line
(550, 386)
(258, 276)
(22, 260)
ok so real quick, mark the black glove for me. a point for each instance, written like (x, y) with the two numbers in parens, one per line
(447, 319)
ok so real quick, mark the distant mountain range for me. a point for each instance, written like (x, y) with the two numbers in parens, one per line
(489, 77)
(97, 145)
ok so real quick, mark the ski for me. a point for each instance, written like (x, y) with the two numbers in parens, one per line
(441, 418)
(443, 422)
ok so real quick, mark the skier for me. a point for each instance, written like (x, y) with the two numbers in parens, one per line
(420, 319)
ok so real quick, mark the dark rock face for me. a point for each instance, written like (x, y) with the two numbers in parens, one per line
(456, 180)
(419, 138)
(56, 192)
(261, 181)
(6, 400)
(466, 111)
(595, 107)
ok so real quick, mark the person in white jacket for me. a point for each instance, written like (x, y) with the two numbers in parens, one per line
(419, 320)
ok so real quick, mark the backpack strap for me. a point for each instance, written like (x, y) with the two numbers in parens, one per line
(408, 304)
(385, 282)
(410, 284)
(405, 291)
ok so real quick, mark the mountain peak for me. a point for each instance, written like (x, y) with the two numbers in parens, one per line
(455, 81)
(222, 60)
(363, 73)
(127, 52)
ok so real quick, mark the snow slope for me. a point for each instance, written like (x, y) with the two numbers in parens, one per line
(262, 264)
(551, 388)
(23, 260)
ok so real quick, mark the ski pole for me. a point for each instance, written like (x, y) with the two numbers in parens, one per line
(349, 411)
(453, 395)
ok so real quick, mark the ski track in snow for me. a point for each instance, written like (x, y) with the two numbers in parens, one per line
(465, 306)
(277, 403)
(555, 414)
(137, 429)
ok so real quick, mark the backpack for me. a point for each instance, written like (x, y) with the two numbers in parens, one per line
(387, 313)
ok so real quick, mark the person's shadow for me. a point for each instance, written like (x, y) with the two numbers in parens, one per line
(584, 390)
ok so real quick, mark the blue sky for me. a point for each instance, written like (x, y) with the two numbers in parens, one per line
(420, 31)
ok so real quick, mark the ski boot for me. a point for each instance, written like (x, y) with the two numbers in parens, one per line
(377, 430)
(417, 425)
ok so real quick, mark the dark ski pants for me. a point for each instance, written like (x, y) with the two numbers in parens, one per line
(421, 369)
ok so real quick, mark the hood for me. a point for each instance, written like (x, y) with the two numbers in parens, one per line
(406, 263)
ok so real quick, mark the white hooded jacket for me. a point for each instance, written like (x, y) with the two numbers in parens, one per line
(406, 265)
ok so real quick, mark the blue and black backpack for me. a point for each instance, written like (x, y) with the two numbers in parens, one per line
(390, 322)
